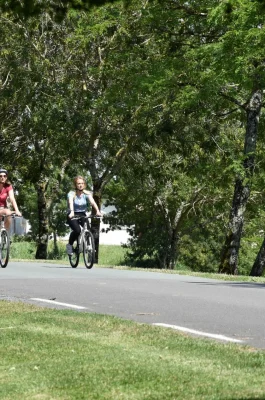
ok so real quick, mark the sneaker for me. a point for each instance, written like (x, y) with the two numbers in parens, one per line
(69, 249)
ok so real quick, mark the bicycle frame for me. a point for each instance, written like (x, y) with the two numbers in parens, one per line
(85, 244)
(2, 223)
(84, 229)
(2, 228)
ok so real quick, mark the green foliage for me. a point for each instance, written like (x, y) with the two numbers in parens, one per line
(200, 251)
(248, 252)
(152, 95)
(153, 178)
(58, 10)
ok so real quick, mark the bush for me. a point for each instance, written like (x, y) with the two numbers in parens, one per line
(23, 250)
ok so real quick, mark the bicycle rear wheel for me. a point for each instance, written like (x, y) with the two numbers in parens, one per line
(4, 249)
(89, 249)
(74, 258)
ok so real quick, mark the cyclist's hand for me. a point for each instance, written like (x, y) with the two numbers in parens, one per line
(72, 214)
(99, 214)
(18, 213)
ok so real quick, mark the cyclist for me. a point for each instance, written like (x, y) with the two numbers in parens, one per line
(78, 202)
(7, 192)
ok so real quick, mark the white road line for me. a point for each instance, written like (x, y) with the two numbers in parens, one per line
(210, 335)
(59, 304)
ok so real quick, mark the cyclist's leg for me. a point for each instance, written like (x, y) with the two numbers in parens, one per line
(6, 211)
(82, 219)
(74, 225)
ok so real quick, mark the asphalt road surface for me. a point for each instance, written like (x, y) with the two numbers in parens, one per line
(225, 311)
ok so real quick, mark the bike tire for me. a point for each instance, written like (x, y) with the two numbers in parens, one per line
(89, 249)
(74, 258)
(4, 249)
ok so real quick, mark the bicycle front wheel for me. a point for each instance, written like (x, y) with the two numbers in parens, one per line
(4, 249)
(89, 249)
(74, 258)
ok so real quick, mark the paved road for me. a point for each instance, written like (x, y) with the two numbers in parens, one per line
(227, 310)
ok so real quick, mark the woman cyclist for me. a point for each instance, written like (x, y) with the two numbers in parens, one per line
(78, 202)
(7, 192)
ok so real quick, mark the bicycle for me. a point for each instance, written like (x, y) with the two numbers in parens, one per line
(84, 244)
(4, 241)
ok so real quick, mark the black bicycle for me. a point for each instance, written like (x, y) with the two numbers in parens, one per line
(84, 244)
(4, 241)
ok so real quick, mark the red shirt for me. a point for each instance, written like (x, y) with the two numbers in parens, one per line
(4, 195)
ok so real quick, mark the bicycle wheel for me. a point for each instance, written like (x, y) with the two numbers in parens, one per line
(89, 249)
(4, 248)
(74, 258)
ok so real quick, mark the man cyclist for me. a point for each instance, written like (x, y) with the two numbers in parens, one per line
(78, 201)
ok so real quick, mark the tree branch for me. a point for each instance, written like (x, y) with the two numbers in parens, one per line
(233, 100)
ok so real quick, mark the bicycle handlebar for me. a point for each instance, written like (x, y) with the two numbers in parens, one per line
(13, 215)
(87, 217)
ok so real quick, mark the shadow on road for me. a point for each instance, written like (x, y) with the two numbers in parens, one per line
(250, 285)
(54, 266)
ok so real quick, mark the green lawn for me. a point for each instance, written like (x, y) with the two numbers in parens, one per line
(60, 355)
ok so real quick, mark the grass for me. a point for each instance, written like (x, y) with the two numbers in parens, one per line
(108, 254)
(23, 250)
(54, 354)
(111, 255)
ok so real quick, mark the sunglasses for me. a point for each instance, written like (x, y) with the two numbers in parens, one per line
(2, 176)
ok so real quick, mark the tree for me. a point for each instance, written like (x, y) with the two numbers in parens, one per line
(57, 9)
(169, 181)
(36, 100)
(58, 99)
(89, 92)
(243, 26)
(224, 69)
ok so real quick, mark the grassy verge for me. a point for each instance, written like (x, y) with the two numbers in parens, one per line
(54, 354)
(108, 254)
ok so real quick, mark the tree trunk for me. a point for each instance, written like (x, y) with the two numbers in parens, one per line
(55, 245)
(172, 251)
(95, 222)
(259, 263)
(229, 257)
(43, 235)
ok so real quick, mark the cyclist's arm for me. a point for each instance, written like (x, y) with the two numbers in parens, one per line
(93, 203)
(71, 205)
(13, 202)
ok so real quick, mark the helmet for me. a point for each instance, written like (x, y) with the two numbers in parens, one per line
(3, 171)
